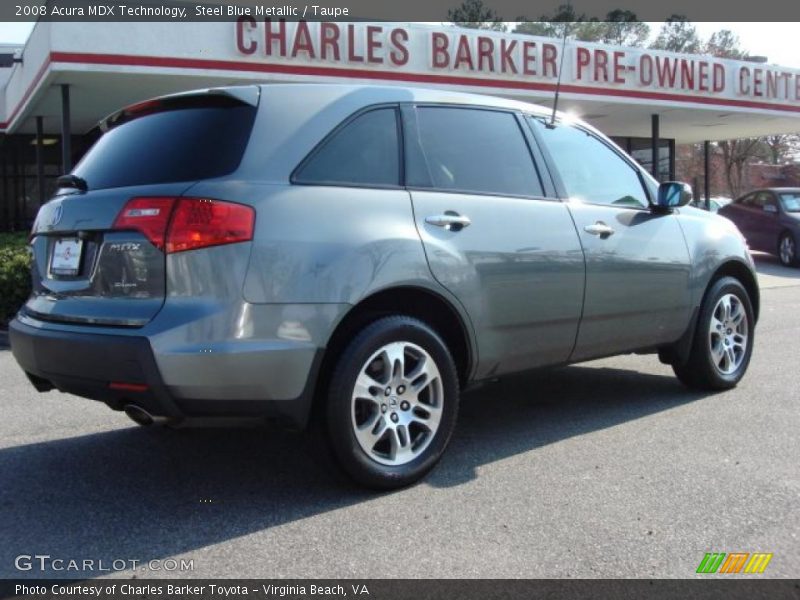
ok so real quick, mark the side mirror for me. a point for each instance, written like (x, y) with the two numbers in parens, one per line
(771, 208)
(672, 194)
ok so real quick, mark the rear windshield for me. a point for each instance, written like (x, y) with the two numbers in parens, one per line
(179, 140)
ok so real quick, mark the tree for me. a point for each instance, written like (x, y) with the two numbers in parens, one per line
(736, 155)
(690, 167)
(724, 44)
(474, 14)
(620, 27)
(564, 22)
(782, 148)
(678, 35)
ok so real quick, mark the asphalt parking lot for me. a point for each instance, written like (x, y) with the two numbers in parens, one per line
(606, 469)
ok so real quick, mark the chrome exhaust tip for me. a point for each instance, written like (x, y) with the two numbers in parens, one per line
(139, 415)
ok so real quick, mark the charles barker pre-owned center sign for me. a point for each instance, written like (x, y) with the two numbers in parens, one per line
(440, 55)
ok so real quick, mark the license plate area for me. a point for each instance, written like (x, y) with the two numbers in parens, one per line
(65, 259)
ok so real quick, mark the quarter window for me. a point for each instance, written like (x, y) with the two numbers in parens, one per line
(590, 170)
(363, 152)
(473, 150)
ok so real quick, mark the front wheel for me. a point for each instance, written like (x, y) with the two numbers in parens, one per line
(787, 250)
(392, 403)
(723, 340)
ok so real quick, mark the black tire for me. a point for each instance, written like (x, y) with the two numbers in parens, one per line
(789, 259)
(342, 411)
(700, 371)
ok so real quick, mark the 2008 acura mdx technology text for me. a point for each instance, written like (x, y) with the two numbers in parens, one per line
(363, 253)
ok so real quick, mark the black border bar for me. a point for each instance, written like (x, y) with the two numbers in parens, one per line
(713, 588)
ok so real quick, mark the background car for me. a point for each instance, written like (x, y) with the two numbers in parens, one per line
(770, 221)
(716, 202)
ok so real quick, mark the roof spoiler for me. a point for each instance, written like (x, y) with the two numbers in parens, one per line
(249, 95)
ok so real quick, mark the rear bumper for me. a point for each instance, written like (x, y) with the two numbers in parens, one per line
(123, 369)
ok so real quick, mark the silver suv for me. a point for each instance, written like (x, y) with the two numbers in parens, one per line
(362, 254)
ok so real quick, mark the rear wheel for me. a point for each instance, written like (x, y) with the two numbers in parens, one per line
(723, 340)
(787, 250)
(392, 403)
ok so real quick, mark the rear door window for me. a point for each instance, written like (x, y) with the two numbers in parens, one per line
(363, 152)
(174, 140)
(473, 150)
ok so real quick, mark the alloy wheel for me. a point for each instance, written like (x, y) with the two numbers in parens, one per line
(397, 403)
(728, 334)
(787, 250)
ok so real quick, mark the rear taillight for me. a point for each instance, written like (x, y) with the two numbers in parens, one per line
(198, 222)
(178, 224)
(147, 215)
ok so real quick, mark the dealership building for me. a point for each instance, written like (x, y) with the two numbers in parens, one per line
(68, 76)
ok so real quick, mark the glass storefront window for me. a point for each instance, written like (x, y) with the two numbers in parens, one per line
(19, 184)
(641, 151)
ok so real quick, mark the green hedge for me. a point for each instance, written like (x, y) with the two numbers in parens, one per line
(15, 277)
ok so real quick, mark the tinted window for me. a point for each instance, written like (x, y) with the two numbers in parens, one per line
(765, 199)
(758, 200)
(363, 152)
(590, 170)
(474, 151)
(180, 141)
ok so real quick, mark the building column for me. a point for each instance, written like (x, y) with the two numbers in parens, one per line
(40, 160)
(706, 171)
(655, 142)
(66, 130)
(672, 160)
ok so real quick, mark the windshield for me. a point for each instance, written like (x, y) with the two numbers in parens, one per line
(790, 201)
(193, 139)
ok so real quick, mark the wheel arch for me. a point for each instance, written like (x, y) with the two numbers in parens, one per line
(429, 306)
(741, 272)
(678, 352)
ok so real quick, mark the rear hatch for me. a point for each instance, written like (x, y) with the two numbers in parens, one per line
(99, 246)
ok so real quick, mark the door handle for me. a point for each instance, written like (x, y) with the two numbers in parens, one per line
(450, 220)
(600, 229)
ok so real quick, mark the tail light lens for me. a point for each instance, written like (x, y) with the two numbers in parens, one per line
(198, 222)
(178, 224)
(147, 215)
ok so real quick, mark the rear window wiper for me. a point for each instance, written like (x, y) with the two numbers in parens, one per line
(72, 181)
